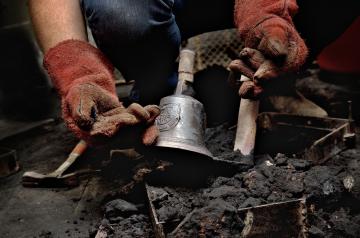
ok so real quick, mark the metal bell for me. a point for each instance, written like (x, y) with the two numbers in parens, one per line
(182, 124)
(182, 118)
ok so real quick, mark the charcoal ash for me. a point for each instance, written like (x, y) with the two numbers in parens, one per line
(220, 140)
(134, 226)
(119, 208)
(176, 204)
(333, 189)
(216, 219)
(124, 219)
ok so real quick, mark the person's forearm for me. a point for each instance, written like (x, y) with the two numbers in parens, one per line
(57, 20)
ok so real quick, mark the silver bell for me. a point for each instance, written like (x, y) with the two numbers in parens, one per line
(182, 124)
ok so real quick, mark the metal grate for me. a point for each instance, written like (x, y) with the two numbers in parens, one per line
(214, 48)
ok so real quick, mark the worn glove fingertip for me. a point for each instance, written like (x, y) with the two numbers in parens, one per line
(239, 67)
(139, 112)
(150, 135)
(154, 112)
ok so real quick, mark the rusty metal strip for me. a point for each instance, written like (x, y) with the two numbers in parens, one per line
(328, 146)
(158, 226)
(281, 219)
(322, 149)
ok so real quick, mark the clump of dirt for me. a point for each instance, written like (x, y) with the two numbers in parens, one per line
(124, 219)
(216, 219)
(117, 209)
(173, 204)
(262, 184)
(335, 190)
(220, 140)
(136, 225)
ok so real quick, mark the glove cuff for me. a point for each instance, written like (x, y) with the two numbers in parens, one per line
(73, 62)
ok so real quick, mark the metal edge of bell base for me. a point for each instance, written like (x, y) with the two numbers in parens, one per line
(178, 145)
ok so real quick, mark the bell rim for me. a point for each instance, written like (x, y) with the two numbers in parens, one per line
(186, 147)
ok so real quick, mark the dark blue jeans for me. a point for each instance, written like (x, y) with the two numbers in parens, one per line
(142, 37)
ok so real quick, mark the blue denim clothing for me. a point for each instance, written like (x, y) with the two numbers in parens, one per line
(142, 37)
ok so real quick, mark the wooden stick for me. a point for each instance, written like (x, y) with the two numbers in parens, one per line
(246, 126)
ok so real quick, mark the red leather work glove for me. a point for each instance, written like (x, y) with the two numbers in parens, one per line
(110, 122)
(266, 25)
(251, 64)
(84, 79)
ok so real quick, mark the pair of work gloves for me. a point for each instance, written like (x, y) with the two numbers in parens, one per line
(85, 81)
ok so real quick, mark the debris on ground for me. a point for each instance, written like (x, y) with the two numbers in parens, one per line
(331, 189)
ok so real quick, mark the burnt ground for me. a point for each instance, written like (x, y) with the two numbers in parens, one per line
(36, 212)
(76, 212)
(331, 189)
(51, 212)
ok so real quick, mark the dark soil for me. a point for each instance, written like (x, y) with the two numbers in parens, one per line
(136, 225)
(44, 212)
(332, 191)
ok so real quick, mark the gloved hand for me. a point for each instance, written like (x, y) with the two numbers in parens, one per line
(253, 63)
(286, 101)
(110, 122)
(84, 79)
(266, 25)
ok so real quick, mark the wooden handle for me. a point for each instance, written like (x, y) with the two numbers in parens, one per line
(186, 65)
(186, 71)
(246, 126)
(75, 153)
